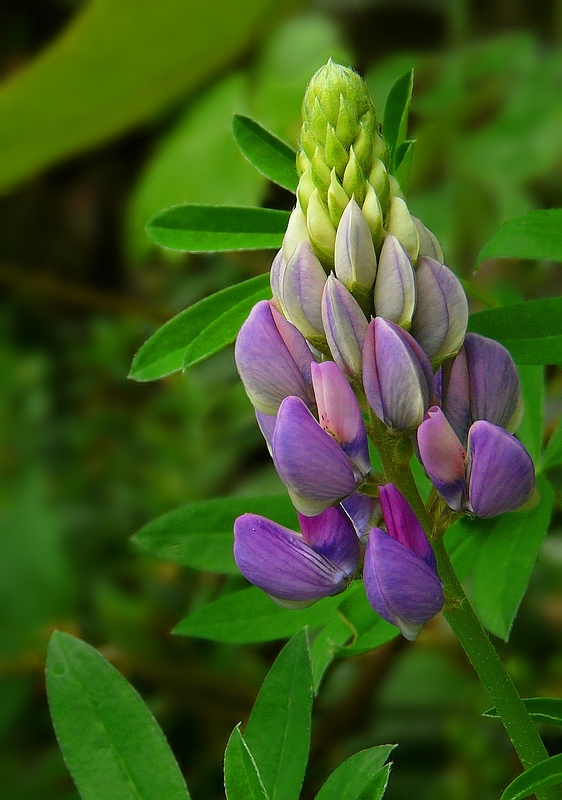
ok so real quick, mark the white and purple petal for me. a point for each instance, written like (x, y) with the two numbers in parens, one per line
(395, 289)
(345, 326)
(442, 456)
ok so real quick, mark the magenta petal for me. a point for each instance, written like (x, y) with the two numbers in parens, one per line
(280, 562)
(403, 525)
(442, 456)
(309, 461)
(332, 535)
(400, 586)
(500, 472)
(339, 413)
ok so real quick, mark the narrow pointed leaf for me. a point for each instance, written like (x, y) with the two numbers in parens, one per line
(541, 776)
(165, 351)
(547, 710)
(396, 112)
(278, 731)
(269, 154)
(531, 331)
(530, 430)
(361, 772)
(242, 779)
(110, 741)
(200, 535)
(404, 160)
(536, 234)
(191, 228)
(250, 616)
(552, 456)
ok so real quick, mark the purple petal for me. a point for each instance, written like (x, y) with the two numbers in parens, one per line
(443, 456)
(339, 413)
(400, 586)
(429, 243)
(276, 277)
(332, 535)
(278, 561)
(363, 511)
(355, 259)
(302, 283)
(266, 424)
(395, 290)
(500, 472)
(455, 395)
(344, 326)
(273, 359)
(403, 525)
(309, 461)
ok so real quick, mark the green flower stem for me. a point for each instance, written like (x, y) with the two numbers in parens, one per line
(459, 614)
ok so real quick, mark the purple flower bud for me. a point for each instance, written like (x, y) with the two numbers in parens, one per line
(429, 243)
(401, 579)
(275, 279)
(364, 512)
(297, 569)
(355, 258)
(273, 359)
(500, 474)
(266, 424)
(443, 457)
(321, 462)
(441, 314)
(395, 290)
(345, 326)
(397, 375)
(301, 284)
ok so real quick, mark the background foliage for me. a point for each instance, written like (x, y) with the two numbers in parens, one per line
(108, 113)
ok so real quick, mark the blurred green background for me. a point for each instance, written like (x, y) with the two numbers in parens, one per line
(109, 111)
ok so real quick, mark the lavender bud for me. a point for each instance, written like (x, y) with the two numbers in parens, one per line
(301, 285)
(355, 259)
(345, 326)
(395, 291)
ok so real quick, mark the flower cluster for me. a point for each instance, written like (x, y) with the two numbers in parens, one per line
(367, 322)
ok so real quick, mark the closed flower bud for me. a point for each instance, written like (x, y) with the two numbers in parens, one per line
(321, 231)
(337, 199)
(373, 214)
(399, 222)
(345, 326)
(397, 375)
(395, 289)
(355, 259)
(297, 232)
(443, 457)
(429, 243)
(301, 286)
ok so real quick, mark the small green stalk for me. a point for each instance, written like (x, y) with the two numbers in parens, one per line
(459, 613)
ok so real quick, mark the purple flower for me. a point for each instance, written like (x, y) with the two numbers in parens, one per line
(298, 285)
(345, 326)
(321, 461)
(297, 569)
(400, 572)
(273, 359)
(355, 259)
(395, 289)
(397, 375)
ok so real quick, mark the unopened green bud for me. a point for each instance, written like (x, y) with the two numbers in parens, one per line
(321, 230)
(337, 199)
(354, 178)
(372, 211)
(400, 223)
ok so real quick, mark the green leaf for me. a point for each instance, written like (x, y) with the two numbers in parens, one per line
(541, 776)
(165, 351)
(507, 547)
(242, 779)
(250, 616)
(531, 331)
(278, 731)
(370, 631)
(361, 772)
(396, 112)
(200, 535)
(116, 65)
(532, 388)
(547, 710)
(404, 160)
(325, 646)
(269, 154)
(537, 234)
(110, 741)
(552, 456)
(223, 330)
(193, 228)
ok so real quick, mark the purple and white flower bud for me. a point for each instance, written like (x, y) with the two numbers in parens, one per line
(345, 326)
(276, 279)
(355, 258)
(395, 289)
(273, 359)
(297, 232)
(443, 457)
(441, 313)
(400, 573)
(429, 243)
(297, 569)
(397, 375)
(321, 462)
(301, 284)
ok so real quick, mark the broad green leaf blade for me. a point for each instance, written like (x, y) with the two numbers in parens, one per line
(547, 710)
(269, 154)
(164, 352)
(223, 330)
(250, 616)
(278, 731)
(376, 787)
(531, 331)
(404, 160)
(396, 112)
(242, 779)
(352, 778)
(369, 629)
(532, 388)
(325, 646)
(110, 741)
(378, 634)
(541, 776)
(552, 456)
(537, 234)
(116, 65)
(193, 228)
(200, 535)
(507, 548)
